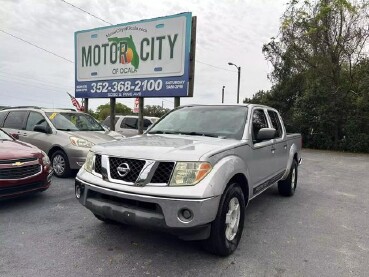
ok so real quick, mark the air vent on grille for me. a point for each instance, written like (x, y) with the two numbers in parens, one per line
(98, 164)
(163, 173)
(19, 171)
(135, 167)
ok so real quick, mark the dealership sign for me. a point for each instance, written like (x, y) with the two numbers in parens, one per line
(149, 58)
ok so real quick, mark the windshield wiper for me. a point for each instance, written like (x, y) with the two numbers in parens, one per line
(68, 130)
(185, 133)
(162, 132)
(198, 134)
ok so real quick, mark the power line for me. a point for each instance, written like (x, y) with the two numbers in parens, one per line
(82, 10)
(39, 86)
(216, 66)
(30, 80)
(39, 47)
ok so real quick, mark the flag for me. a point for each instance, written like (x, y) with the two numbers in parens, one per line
(75, 103)
(136, 108)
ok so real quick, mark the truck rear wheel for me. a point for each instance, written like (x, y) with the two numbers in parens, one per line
(287, 187)
(226, 229)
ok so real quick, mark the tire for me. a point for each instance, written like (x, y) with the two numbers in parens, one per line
(60, 163)
(288, 186)
(104, 219)
(223, 239)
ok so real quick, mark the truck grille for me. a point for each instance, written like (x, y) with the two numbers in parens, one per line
(163, 172)
(135, 167)
(98, 164)
(19, 172)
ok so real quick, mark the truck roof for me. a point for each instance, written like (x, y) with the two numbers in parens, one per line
(228, 105)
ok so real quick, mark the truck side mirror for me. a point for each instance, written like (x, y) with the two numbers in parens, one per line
(266, 134)
(15, 136)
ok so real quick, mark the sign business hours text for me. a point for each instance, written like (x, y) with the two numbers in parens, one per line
(148, 58)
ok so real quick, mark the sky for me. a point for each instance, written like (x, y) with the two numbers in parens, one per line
(227, 31)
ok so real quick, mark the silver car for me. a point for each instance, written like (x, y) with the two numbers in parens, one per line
(65, 135)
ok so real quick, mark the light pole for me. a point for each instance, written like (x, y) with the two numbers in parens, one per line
(223, 94)
(239, 77)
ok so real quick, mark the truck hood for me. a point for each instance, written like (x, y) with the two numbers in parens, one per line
(164, 147)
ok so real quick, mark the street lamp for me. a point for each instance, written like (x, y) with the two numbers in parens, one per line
(239, 77)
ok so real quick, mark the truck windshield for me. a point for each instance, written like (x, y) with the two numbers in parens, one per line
(213, 121)
(74, 122)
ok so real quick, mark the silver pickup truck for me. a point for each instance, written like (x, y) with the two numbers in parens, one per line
(193, 172)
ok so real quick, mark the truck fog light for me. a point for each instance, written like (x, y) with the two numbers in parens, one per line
(185, 215)
(79, 190)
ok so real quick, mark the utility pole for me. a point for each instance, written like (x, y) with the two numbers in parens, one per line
(223, 94)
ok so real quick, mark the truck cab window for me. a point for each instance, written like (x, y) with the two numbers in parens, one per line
(276, 124)
(258, 121)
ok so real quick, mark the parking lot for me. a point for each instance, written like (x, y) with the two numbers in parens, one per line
(323, 230)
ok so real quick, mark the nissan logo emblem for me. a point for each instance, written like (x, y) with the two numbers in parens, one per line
(123, 169)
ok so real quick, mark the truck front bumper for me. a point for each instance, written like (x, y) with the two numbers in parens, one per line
(187, 218)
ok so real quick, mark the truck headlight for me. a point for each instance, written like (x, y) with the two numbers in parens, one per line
(189, 173)
(45, 158)
(89, 161)
(81, 142)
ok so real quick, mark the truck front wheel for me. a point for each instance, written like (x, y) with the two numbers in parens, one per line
(226, 229)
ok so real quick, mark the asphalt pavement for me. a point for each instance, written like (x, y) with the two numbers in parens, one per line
(323, 230)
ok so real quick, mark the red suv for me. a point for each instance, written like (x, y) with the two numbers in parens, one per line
(23, 167)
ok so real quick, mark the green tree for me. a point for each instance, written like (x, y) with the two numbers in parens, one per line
(155, 110)
(103, 111)
(319, 67)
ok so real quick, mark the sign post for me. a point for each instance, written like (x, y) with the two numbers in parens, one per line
(140, 116)
(112, 114)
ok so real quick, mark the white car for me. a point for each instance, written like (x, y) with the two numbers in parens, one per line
(127, 125)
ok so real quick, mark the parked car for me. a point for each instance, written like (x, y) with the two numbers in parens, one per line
(127, 125)
(193, 172)
(23, 167)
(65, 135)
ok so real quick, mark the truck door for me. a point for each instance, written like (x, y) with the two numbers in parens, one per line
(261, 162)
(280, 143)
